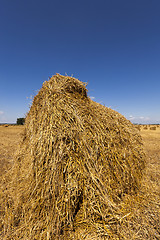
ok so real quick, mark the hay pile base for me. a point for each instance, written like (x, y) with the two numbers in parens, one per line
(76, 162)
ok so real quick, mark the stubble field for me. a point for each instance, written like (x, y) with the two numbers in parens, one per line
(144, 220)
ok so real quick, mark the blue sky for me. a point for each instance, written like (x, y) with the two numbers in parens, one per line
(114, 45)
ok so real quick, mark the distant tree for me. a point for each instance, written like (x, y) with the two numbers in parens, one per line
(20, 121)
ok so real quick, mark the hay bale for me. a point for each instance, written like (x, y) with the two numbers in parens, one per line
(145, 128)
(153, 128)
(76, 161)
(6, 125)
(138, 127)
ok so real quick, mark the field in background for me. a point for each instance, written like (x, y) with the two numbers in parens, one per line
(10, 137)
(148, 217)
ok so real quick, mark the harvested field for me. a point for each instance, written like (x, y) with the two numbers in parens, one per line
(143, 222)
(9, 140)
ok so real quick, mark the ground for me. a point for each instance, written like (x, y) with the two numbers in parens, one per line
(143, 222)
(10, 137)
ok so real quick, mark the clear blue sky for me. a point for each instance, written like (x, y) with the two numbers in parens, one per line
(114, 45)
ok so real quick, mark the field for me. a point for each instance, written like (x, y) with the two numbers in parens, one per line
(144, 220)
(9, 139)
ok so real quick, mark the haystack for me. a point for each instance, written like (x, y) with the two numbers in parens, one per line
(76, 162)
(153, 128)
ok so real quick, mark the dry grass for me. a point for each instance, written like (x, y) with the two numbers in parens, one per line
(77, 173)
(9, 140)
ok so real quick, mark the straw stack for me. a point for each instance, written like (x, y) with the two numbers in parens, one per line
(76, 162)
(153, 128)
